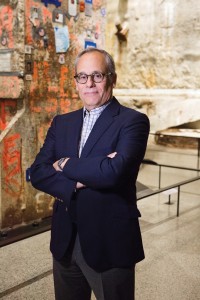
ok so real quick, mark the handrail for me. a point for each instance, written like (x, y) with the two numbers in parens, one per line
(153, 163)
(169, 187)
(176, 185)
(17, 234)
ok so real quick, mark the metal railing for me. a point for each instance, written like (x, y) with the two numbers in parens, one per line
(176, 185)
(26, 231)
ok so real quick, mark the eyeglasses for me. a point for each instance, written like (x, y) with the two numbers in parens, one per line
(96, 77)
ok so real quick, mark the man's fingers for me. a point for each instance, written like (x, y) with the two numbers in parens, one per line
(79, 185)
(111, 155)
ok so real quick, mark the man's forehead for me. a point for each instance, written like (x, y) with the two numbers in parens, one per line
(93, 60)
(94, 56)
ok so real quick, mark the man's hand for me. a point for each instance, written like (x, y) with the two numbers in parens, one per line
(112, 155)
(80, 185)
(56, 166)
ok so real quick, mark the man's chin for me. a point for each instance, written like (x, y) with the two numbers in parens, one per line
(91, 102)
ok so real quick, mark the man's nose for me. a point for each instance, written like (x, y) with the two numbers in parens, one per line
(90, 82)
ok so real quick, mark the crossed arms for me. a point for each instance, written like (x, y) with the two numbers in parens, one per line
(103, 171)
(79, 185)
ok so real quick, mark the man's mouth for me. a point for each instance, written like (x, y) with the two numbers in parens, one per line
(91, 93)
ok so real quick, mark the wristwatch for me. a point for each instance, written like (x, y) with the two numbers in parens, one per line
(60, 162)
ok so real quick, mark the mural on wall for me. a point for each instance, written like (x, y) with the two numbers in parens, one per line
(36, 83)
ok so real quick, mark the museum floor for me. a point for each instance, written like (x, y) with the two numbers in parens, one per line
(171, 270)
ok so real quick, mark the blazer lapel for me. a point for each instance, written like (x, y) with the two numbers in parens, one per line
(101, 125)
(74, 131)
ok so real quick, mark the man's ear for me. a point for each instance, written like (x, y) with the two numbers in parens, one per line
(76, 85)
(114, 79)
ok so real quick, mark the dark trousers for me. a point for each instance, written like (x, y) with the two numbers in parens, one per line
(74, 280)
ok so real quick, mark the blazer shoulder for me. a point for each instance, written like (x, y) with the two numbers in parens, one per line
(127, 113)
(70, 115)
(126, 109)
(133, 112)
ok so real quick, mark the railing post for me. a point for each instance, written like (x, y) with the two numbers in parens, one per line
(159, 176)
(198, 155)
(178, 201)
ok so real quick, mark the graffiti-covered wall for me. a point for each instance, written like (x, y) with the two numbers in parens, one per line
(39, 40)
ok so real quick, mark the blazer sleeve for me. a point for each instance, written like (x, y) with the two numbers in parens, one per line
(104, 172)
(42, 174)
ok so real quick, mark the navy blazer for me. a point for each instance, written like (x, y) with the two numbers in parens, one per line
(106, 210)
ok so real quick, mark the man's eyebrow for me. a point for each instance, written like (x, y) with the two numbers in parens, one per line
(95, 71)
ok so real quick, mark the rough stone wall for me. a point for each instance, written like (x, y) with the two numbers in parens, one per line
(39, 40)
(162, 46)
(165, 108)
(156, 48)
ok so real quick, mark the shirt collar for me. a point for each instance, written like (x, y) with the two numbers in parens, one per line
(97, 110)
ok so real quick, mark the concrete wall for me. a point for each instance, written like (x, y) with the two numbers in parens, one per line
(162, 46)
(156, 48)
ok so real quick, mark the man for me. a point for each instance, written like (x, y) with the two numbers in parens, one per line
(89, 162)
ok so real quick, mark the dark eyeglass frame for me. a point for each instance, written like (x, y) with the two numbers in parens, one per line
(92, 77)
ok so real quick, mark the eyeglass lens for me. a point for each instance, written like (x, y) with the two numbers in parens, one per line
(96, 77)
